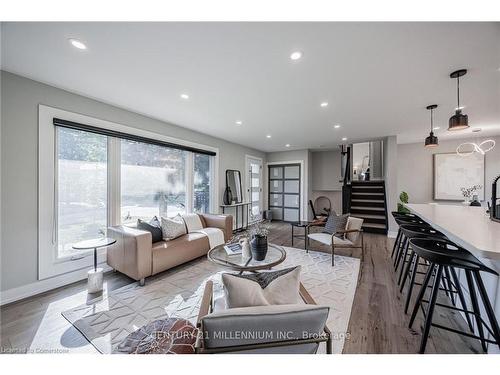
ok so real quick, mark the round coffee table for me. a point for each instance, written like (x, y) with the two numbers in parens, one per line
(275, 255)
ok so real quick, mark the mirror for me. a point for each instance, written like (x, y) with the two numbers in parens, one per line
(233, 185)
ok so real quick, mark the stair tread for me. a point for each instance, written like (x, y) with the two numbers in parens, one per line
(368, 200)
(371, 216)
(382, 209)
(370, 193)
(374, 225)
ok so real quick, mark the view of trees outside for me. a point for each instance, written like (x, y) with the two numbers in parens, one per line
(201, 189)
(153, 181)
(82, 187)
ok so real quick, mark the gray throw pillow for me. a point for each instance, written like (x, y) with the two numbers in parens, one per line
(336, 223)
(172, 228)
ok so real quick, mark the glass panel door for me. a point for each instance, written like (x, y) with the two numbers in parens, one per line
(254, 188)
(284, 192)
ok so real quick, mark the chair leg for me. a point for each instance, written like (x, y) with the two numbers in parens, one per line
(407, 251)
(412, 282)
(461, 297)
(430, 309)
(402, 254)
(449, 285)
(487, 305)
(421, 293)
(475, 308)
(333, 255)
(396, 242)
(402, 244)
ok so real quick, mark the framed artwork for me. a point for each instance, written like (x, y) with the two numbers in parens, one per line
(453, 172)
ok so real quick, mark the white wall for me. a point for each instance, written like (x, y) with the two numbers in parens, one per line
(391, 176)
(415, 168)
(19, 196)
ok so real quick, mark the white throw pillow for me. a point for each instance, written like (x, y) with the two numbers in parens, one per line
(172, 228)
(193, 222)
(264, 288)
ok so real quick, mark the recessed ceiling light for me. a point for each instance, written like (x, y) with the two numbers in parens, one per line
(268, 136)
(344, 139)
(296, 55)
(336, 126)
(287, 145)
(437, 127)
(185, 96)
(459, 108)
(239, 122)
(324, 104)
(77, 44)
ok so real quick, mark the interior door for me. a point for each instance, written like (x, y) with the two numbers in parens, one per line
(254, 188)
(284, 192)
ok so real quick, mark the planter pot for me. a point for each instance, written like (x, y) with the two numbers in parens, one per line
(228, 196)
(259, 247)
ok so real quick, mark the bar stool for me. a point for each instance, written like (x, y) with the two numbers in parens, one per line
(400, 215)
(441, 254)
(411, 270)
(402, 238)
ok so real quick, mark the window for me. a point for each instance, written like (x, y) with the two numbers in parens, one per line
(99, 174)
(153, 181)
(81, 188)
(202, 183)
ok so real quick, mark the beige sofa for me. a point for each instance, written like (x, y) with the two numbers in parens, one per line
(136, 256)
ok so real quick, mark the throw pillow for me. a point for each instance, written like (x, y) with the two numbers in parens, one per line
(336, 223)
(263, 288)
(193, 222)
(153, 226)
(172, 228)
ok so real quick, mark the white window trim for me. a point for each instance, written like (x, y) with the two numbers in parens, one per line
(47, 264)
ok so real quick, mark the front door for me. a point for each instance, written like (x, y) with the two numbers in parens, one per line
(254, 188)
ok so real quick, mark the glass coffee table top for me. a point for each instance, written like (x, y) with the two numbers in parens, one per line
(275, 255)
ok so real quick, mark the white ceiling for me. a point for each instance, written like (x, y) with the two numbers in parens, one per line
(377, 77)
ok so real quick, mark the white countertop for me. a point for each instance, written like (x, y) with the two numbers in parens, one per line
(469, 227)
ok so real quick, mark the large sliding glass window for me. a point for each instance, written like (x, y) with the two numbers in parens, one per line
(81, 188)
(153, 181)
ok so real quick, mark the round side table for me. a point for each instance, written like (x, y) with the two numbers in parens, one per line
(95, 276)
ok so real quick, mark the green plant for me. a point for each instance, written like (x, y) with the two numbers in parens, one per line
(403, 199)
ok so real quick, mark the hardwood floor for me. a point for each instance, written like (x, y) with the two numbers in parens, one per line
(377, 325)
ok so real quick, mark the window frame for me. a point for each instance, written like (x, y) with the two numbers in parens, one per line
(48, 263)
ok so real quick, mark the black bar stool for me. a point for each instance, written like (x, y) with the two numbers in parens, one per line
(441, 254)
(397, 215)
(402, 238)
(412, 261)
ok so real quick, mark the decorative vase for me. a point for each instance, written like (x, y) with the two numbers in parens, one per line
(246, 253)
(475, 201)
(228, 196)
(259, 247)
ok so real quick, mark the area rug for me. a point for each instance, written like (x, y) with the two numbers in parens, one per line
(177, 293)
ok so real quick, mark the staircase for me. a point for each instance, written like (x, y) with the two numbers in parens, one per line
(368, 202)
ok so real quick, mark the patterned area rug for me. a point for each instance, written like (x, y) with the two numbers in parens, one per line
(177, 293)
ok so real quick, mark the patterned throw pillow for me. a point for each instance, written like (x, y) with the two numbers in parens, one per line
(336, 223)
(172, 228)
(264, 288)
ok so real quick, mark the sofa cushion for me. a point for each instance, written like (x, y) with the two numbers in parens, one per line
(168, 254)
(266, 288)
(172, 228)
(154, 226)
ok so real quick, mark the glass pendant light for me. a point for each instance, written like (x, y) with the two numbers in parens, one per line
(431, 140)
(458, 121)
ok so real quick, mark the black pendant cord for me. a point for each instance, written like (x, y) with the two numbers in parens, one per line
(458, 93)
(432, 126)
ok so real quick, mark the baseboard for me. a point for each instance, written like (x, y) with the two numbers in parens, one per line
(392, 234)
(41, 286)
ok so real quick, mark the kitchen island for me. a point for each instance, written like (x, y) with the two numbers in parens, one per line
(472, 229)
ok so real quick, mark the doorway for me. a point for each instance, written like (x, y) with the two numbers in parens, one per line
(284, 192)
(254, 188)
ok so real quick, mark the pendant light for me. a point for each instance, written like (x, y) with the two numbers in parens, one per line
(431, 140)
(458, 121)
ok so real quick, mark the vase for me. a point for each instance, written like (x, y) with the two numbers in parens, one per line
(475, 201)
(246, 253)
(259, 247)
(228, 196)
